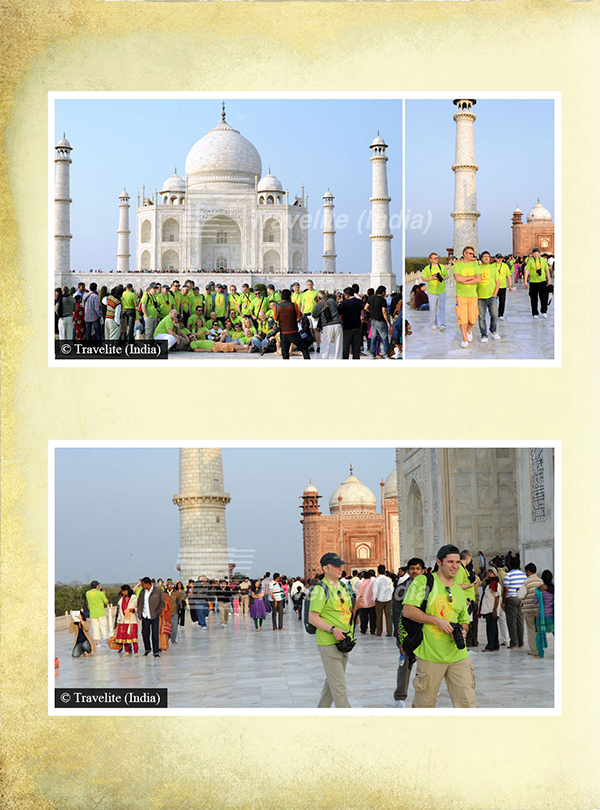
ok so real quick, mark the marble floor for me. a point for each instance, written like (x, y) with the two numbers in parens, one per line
(523, 337)
(240, 668)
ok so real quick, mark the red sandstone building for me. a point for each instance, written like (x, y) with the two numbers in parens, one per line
(361, 535)
(537, 232)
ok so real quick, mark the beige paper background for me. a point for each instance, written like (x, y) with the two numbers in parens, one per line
(413, 762)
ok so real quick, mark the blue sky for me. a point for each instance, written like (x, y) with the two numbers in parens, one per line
(514, 149)
(115, 519)
(322, 143)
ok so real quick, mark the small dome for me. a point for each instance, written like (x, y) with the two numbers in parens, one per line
(539, 214)
(64, 143)
(355, 495)
(270, 183)
(328, 195)
(378, 141)
(311, 490)
(173, 183)
(517, 210)
(390, 488)
(222, 156)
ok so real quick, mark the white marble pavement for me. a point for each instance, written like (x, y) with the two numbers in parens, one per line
(523, 337)
(240, 668)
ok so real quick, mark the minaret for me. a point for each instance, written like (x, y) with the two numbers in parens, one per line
(310, 531)
(62, 208)
(329, 254)
(202, 500)
(381, 238)
(123, 234)
(465, 212)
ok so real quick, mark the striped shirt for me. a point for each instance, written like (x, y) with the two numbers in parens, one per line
(91, 303)
(276, 591)
(513, 581)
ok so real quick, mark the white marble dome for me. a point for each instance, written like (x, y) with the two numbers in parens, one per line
(63, 142)
(539, 214)
(378, 141)
(311, 490)
(355, 496)
(222, 156)
(517, 210)
(390, 488)
(270, 183)
(174, 183)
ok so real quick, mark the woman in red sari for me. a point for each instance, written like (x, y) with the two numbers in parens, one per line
(79, 319)
(127, 627)
(164, 626)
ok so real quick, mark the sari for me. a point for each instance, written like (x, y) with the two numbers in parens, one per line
(79, 319)
(544, 625)
(164, 626)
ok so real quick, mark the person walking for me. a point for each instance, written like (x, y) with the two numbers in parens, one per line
(365, 602)
(175, 597)
(383, 589)
(151, 603)
(244, 596)
(512, 604)
(325, 312)
(376, 306)
(435, 274)
(466, 275)
(489, 609)
(276, 596)
(537, 277)
(487, 298)
(505, 275)
(529, 605)
(415, 567)
(127, 626)
(258, 609)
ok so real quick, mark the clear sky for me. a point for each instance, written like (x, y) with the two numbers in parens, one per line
(321, 144)
(116, 521)
(514, 149)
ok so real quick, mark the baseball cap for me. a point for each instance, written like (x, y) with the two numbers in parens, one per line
(498, 256)
(94, 583)
(445, 550)
(331, 559)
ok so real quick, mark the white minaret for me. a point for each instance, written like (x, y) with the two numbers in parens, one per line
(465, 212)
(202, 500)
(329, 254)
(123, 234)
(62, 209)
(381, 238)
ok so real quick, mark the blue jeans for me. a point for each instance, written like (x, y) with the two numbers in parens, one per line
(256, 341)
(379, 328)
(202, 611)
(93, 330)
(437, 310)
(485, 305)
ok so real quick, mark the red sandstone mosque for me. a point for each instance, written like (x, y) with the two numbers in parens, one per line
(537, 232)
(361, 535)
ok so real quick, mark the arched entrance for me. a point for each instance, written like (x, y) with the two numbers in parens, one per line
(221, 240)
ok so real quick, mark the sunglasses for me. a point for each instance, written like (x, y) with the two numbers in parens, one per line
(449, 592)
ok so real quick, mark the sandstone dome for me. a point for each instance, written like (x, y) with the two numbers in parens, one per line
(222, 156)
(539, 214)
(390, 488)
(355, 496)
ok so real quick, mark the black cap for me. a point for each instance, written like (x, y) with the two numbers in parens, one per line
(94, 583)
(445, 550)
(332, 559)
(498, 256)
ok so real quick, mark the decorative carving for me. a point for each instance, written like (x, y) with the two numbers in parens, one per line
(435, 497)
(206, 213)
(536, 482)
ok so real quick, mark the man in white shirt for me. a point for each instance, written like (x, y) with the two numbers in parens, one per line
(383, 588)
(276, 595)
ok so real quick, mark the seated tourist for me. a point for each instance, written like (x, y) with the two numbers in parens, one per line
(166, 330)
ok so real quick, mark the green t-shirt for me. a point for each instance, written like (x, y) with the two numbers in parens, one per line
(436, 645)
(165, 304)
(504, 272)
(178, 296)
(198, 301)
(163, 326)
(260, 305)
(308, 301)
(187, 301)
(245, 303)
(148, 302)
(196, 322)
(462, 578)
(129, 300)
(205, 345)
(337, 610)
(297, 298)
(537, 269)
(489, 277)
(434, 285)
(466, 269)
(96, 601)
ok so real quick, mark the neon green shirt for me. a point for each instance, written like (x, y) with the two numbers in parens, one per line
(129, 300)
(96, 601)
(537, 269)
(149, 304)
(504, 272)
(205, 345)
(462, 578)
(337, 610)
(489, 277)
(163, 326)
(466, 269)
(186, 302)
(436, 645)
(308, 301)
(297, 298)
(434, 285)
(245, 303)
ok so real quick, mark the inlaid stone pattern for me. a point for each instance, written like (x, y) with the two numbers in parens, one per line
(538, 496)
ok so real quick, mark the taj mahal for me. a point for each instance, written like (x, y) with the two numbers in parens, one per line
(226, 217)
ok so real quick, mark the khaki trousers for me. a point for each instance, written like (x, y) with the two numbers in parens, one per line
(530, 622)
(244, 603)
(334, 689)
(380, 609)
(460, 680)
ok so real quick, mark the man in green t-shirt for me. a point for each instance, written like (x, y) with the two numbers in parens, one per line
(435, 274)
(437, 655)
(487, 297)
(505, 272)
(469, 582)
(331, 612)
(129, 306)
(166, 330)
(150, 310)
(467, 276)
(96, 602)
(537, 278)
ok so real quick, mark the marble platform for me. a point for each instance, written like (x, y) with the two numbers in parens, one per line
(240, 668)
(523, 337)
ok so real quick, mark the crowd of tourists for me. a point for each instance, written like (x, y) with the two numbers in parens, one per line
(432, 613)
(262, 320)
(481, 290)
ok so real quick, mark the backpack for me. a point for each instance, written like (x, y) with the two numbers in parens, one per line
(410, 633)
(310, 628)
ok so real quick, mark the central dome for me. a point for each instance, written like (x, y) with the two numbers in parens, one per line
(222, 156)
(355, 496)
(539, 214)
